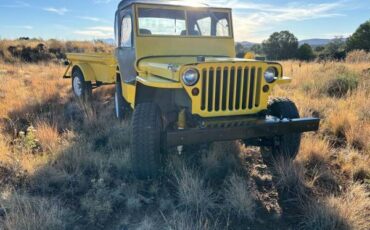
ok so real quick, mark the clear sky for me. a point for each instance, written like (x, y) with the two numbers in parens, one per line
(254, 20)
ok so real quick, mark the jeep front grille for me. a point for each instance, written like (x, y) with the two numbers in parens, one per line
(226, 88)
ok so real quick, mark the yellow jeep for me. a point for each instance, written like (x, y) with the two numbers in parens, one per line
(175, 67)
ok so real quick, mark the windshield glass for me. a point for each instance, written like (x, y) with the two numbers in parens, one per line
(210, 23)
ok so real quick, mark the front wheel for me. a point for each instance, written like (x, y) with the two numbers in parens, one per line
(286, 145)
(146, 141)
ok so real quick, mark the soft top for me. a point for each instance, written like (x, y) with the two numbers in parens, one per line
(125, 3)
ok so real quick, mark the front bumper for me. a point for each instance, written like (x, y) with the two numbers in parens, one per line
(262, 128)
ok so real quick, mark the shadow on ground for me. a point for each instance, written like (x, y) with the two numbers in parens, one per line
(85, 182)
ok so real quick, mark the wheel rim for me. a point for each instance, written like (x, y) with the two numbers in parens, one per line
(116, 104)
(77, 86)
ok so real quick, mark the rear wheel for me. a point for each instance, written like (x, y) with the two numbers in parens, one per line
(146, 141)
(81, 89)
(288, 144)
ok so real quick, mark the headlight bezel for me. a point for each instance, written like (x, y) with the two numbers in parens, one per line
(190, 82)
(271, 74)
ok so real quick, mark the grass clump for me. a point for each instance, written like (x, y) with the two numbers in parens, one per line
(240, 200)
(341, 85)
(29, 212)
(345, 212)
(193, 194)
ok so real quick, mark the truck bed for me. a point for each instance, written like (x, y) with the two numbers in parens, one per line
(95, 67)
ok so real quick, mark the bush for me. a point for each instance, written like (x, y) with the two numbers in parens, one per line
(305, 53)
(341, 86)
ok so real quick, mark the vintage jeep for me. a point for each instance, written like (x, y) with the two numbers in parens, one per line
(175, 67)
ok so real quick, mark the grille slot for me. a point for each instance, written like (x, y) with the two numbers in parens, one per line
(231, 88)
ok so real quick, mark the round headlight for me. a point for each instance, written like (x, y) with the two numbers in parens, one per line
(190, 77)
(270, 75)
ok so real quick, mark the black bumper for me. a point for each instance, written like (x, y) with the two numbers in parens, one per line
(261, 128)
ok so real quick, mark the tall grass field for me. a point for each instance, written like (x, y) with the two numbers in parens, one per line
(65, 164)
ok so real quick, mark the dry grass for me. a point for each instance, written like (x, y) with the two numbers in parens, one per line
(36, 50)
(26, 212)
(59, 156)
(193, 193)
(350, 210)
(358, 56)
(345, 120)
(239, 198)
(47, 135)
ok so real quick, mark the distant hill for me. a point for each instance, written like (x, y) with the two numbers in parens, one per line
(312, 42)
(315, 42)
(247, 44)
(318, 41)
(109, 41)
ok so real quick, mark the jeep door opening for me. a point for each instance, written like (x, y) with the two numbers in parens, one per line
(174, 66)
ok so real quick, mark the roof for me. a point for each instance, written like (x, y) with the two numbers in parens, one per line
(125, 3)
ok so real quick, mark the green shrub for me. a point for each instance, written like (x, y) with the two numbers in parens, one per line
(27, 141)
(341, 86)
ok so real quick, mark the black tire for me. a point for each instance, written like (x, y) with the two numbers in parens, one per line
(287, 145)
(81, 89)
(146, 141)
(120, 105)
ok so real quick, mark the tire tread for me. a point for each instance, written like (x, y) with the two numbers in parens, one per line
(146, 140)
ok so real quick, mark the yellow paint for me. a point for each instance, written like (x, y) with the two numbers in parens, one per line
(250, 55)
(161, 61)
(261, 96)
(87, 71)
(181, 123)
(65, 75)
(284, 80)
(129, 93)
(95, 66)
(158, 82)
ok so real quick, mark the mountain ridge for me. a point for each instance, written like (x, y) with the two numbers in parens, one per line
(312, 42)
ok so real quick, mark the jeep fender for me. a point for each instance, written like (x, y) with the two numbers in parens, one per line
(86, 70)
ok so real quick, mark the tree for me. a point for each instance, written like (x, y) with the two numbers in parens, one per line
(257, 49)
(282, 45)
(335, 50)
(319, 49)
(360, 40)
(305, 53)
(240, 50)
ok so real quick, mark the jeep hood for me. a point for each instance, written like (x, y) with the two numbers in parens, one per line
(169, 67)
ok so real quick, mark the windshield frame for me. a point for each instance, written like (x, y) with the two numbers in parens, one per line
(185, 9)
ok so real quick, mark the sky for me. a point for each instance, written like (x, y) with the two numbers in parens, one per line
(254, 20)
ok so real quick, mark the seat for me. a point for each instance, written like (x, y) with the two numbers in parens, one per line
(145, 32)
